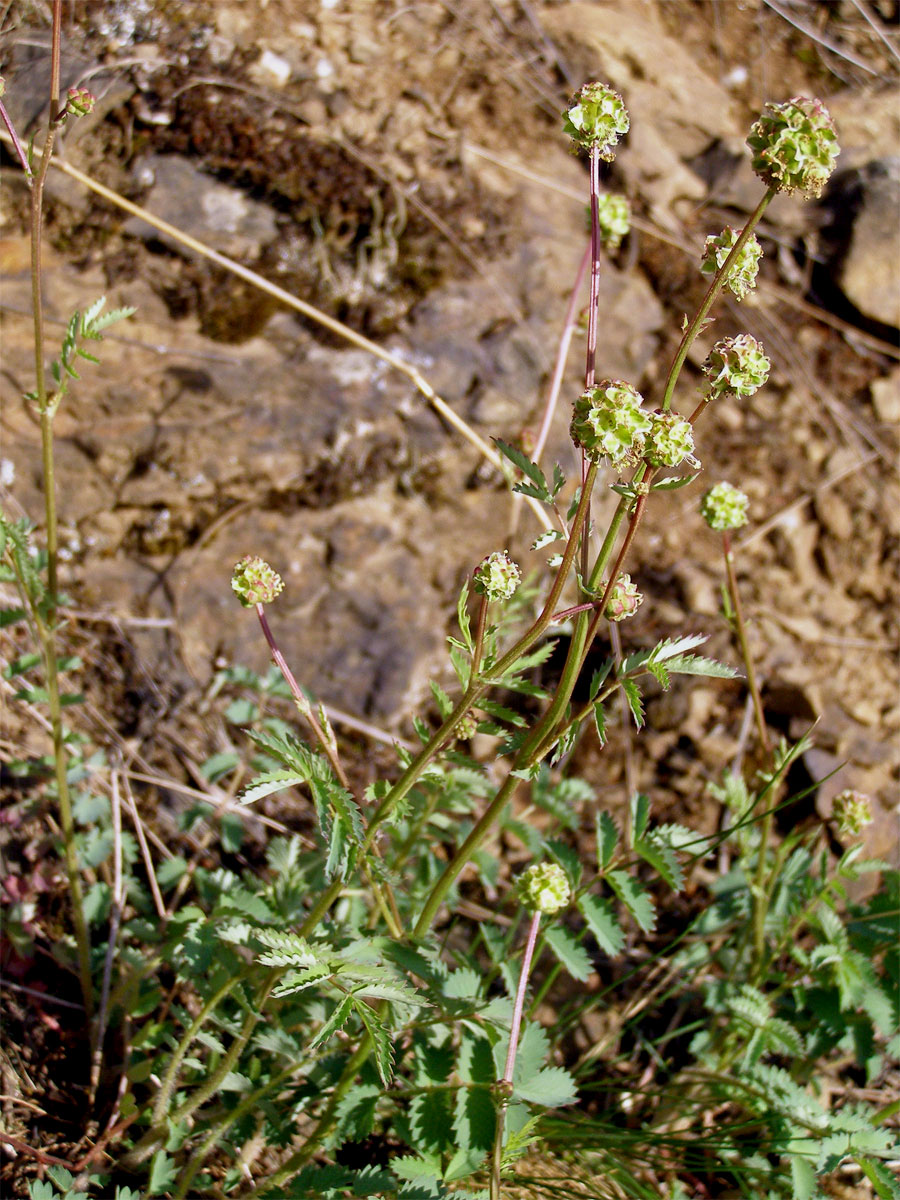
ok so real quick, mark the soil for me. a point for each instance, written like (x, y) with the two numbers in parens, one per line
(401, 168)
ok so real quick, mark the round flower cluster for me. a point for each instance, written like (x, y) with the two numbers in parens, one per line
(723, 507)
(851, 811)
(742, 273)
(595, 118)
(544, 888)
(613, 219)
(794, 146)
(736, 365)
(255, 582)
(466, 727)
(79, 102)
(609, 421)
(624, 600)
(670, 441)
(497, 577)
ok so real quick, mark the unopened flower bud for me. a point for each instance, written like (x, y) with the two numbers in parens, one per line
(670, 441)
(613, 219)
(736, 365)
(466, 727)
(255, 582)
(79, 102)
(624, 599)
(544, 888)
(743, 271)
(852, 812)
(723, 507)
(596, 117)
(794, 146)
(608, 421)
(497, 577)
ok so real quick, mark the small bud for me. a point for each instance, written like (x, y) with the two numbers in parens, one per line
(723, 507)
(608, 422)
(595, 118)
(743, 271)
(851, 812)
(624, 600)
(736, 365)
(544, 888)
(466, 727)
(255, 582)
(79, 102)
(497, 577)
(613, 219)
(794, 146)
(670, 441)
(2, 86)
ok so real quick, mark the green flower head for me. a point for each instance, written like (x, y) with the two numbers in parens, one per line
(255, 582)
(670, 441)
(794, 146)
(497, 577)
(852, 812)
(613, 219)
(608, 421)
(742, 274)
(466, 727)
(79, 102)
(737, 366)
(723, 507)
(595, 118)
(624, 600)
(544, 888)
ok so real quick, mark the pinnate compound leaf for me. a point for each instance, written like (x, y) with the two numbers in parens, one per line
(525, 465)
(603, 924)
(638, 902)
(551, 1087)
(573, 956)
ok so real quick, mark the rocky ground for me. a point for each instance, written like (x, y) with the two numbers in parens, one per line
(402, 168)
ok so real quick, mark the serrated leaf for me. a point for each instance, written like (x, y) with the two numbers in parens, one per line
(462, 617)
(163, 1173)
(383, 1046)
(640, 815)
(443, 701)
(635, 704)
(884, 1182)
(431, 1118)
(573, 956)
(603, 924)
(269, 782)
(638, 902)
(525, 465)
(356, 1112)
(475, 1119)
(607, 839)
(286, 949)
(694, 664)
(551, 1087)
(531, 1053)
(663, 858)
(336, 1021)
(551, 535)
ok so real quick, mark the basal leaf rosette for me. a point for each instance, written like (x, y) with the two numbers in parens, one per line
(544, 888)
(795, 146)
(743, 271)
(609, 422)
(596, 118)
(724, 507)
(737, 366)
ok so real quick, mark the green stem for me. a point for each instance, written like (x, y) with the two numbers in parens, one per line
(715, 287)
(740, 629)
(47, 626)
